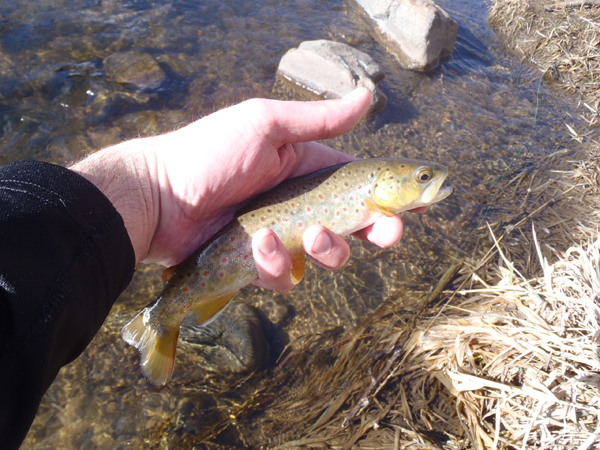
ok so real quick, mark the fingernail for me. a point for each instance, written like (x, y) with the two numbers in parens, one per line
(354, 94)
(323, 244)
(268, 245)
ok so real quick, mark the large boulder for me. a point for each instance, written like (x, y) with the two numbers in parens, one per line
(330, 69)
(418, 32)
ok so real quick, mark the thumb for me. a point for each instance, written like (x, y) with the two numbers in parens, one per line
(292, 122)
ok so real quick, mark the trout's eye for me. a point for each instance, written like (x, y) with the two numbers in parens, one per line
(423, 175)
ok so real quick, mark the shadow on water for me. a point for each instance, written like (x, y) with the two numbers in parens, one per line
(475, 114)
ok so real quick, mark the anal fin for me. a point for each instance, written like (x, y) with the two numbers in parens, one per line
(297, 271)
(209, 310)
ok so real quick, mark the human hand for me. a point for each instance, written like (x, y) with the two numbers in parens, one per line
(176, 190)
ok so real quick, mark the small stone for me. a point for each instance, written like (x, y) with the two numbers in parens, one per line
(137, 68)
(418, 32)
(330, 69)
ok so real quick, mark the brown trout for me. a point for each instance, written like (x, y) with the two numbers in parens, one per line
(344, 198)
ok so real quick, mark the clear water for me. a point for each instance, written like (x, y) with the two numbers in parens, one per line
(475, 114)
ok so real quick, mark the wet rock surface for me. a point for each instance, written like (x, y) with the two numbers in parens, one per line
(331, 70)
(418, 32)
(137, 68)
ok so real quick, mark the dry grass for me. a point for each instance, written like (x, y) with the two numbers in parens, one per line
(513, 365)
(561, 38)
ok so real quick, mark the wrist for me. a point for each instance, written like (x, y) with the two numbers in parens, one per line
(124, 174)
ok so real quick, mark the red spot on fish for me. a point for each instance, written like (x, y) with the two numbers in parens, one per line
(335, 196)
(224, 260)
(308, 209)
(185, 306)
(345, 209)
(232, 239)
(203, 284)
(222, 274)
(319, 222)
(300, 225)
(337, 213)
(360, 186)
(293, 239)
(168, 307)
(160, 313)
(320, 196)
(293, 204)
(185, 289)
(285, 219)
(326, 210)
(206, 273)
(246, 256)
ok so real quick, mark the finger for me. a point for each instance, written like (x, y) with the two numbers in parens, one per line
(272, 260)
(326, 248)
(385, 232)
(290, 122)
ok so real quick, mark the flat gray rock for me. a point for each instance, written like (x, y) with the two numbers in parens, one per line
(330, 69)
(418, 32)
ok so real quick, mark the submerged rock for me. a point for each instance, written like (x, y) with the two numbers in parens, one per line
(330, 69)
(233, 342)
(418, 32)
(137, 68)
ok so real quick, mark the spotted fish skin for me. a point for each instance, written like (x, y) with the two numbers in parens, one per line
(344, 198)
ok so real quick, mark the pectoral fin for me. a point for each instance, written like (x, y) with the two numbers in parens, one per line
(209, 310)
(297, 272)
(373, 207)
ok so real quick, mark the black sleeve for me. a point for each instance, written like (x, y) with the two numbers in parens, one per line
(65, 256)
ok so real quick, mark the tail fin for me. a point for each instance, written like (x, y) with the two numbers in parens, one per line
(158, 349)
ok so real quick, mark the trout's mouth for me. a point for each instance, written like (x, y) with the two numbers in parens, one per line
(435, 192)
(442, 194)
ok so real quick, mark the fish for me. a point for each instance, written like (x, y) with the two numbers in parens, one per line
(344, 198)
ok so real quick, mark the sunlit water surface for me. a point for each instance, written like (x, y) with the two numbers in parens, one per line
(475, 114)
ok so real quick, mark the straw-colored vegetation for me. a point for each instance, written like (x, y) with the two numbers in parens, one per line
(561, 38)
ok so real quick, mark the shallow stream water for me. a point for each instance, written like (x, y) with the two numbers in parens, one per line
(483, 114)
